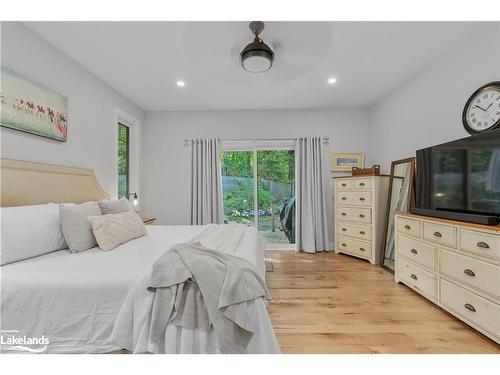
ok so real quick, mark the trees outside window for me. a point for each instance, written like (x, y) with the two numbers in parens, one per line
(123, 160)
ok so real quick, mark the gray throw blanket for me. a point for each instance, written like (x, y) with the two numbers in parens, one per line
(196, 287)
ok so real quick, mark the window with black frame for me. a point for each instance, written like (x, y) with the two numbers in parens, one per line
(123, 160)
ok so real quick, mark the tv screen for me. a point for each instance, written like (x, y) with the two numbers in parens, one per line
(461, 176)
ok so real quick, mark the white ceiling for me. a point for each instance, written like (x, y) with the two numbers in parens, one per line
(143, 60)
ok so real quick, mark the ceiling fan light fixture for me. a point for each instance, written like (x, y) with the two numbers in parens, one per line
(257, 57)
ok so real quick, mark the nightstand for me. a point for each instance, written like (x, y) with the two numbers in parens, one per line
(148, 220)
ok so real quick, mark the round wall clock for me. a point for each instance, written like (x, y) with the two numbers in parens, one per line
(482, 110)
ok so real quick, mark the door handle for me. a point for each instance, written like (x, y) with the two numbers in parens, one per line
(361, 199)
(344, 229)
(438, 235)
(362, 249)
(361, 232)
(362, 216)
(343, 214)
(361, 184)
(413, 276)
(344, 245)
(414, 251)
(407, 227)
(344, 198)
(344, 185)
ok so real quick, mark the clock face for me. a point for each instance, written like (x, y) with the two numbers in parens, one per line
(482, 111)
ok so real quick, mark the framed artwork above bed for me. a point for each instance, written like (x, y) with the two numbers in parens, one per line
(31, 108)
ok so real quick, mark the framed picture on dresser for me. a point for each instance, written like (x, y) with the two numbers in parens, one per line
(344, 161)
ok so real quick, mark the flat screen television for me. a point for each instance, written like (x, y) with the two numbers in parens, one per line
(460, 180)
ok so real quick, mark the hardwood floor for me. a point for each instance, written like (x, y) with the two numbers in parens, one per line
(329, 303)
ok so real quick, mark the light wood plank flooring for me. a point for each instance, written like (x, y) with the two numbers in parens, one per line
(329, 303)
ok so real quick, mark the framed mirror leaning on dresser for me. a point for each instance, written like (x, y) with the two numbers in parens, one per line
(400, 198)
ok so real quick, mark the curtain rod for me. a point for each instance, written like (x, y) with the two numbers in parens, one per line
(325, 139)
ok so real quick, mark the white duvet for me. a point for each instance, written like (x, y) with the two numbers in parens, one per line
(74, 299)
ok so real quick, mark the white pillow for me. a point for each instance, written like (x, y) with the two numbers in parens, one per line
(30, 231)
(75, 227)
(114, 207)
(114, 229)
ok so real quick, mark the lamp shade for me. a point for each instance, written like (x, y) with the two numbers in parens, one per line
(257, 57)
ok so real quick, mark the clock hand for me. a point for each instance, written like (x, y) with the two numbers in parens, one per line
(489, 106)
(484, 110)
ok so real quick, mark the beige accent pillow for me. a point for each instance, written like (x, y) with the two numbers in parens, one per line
(114, 229)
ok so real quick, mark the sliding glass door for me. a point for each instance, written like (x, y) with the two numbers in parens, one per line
(259, 190)
(237, 169)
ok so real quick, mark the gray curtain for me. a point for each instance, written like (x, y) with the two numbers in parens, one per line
(205, 198)
(312, 216)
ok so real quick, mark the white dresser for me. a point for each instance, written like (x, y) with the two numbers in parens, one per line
(454, 264)
(360, 209)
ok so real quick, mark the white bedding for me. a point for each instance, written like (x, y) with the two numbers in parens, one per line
(74, 299)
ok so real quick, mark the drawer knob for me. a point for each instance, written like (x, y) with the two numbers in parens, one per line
(469, 272)
(438, 235)
(469, 307)
(413, 276)
(361, 232)
(407, 227)
(362, 249)
(343, 214)
(362, 216)
(483, 245)
(361, 199)
(344, 198)
(361, 184)
(344, 229)
(344, 245)
(344, 185)
(414, 251)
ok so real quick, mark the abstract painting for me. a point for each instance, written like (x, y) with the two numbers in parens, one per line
(31, 108)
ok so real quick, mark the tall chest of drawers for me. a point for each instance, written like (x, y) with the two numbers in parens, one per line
(455, 265)
(360, 209)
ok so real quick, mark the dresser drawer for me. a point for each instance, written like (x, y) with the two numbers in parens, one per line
(363, 232)
(354, 198)
(359, 215)
(417, 252)
(472, 307)
(483, 244)
(417, 278)
(475, 273)
(408, 226)
(343, 184)
(357, 247)
(362, 183)
(441, 234)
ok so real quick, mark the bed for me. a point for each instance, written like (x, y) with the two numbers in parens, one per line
(74, 299)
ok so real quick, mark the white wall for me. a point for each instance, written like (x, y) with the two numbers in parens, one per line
(427, 109)
(93, 108)
(166, 159)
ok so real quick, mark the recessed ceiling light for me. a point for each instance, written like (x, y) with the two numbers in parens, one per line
(181, 83)
(332, 80)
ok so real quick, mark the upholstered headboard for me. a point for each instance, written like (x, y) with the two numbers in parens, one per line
(27, 183)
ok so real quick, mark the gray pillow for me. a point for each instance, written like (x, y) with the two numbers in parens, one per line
(114, 207)
(76, 229)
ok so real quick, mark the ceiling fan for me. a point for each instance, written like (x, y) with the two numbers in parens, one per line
(257, 56)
